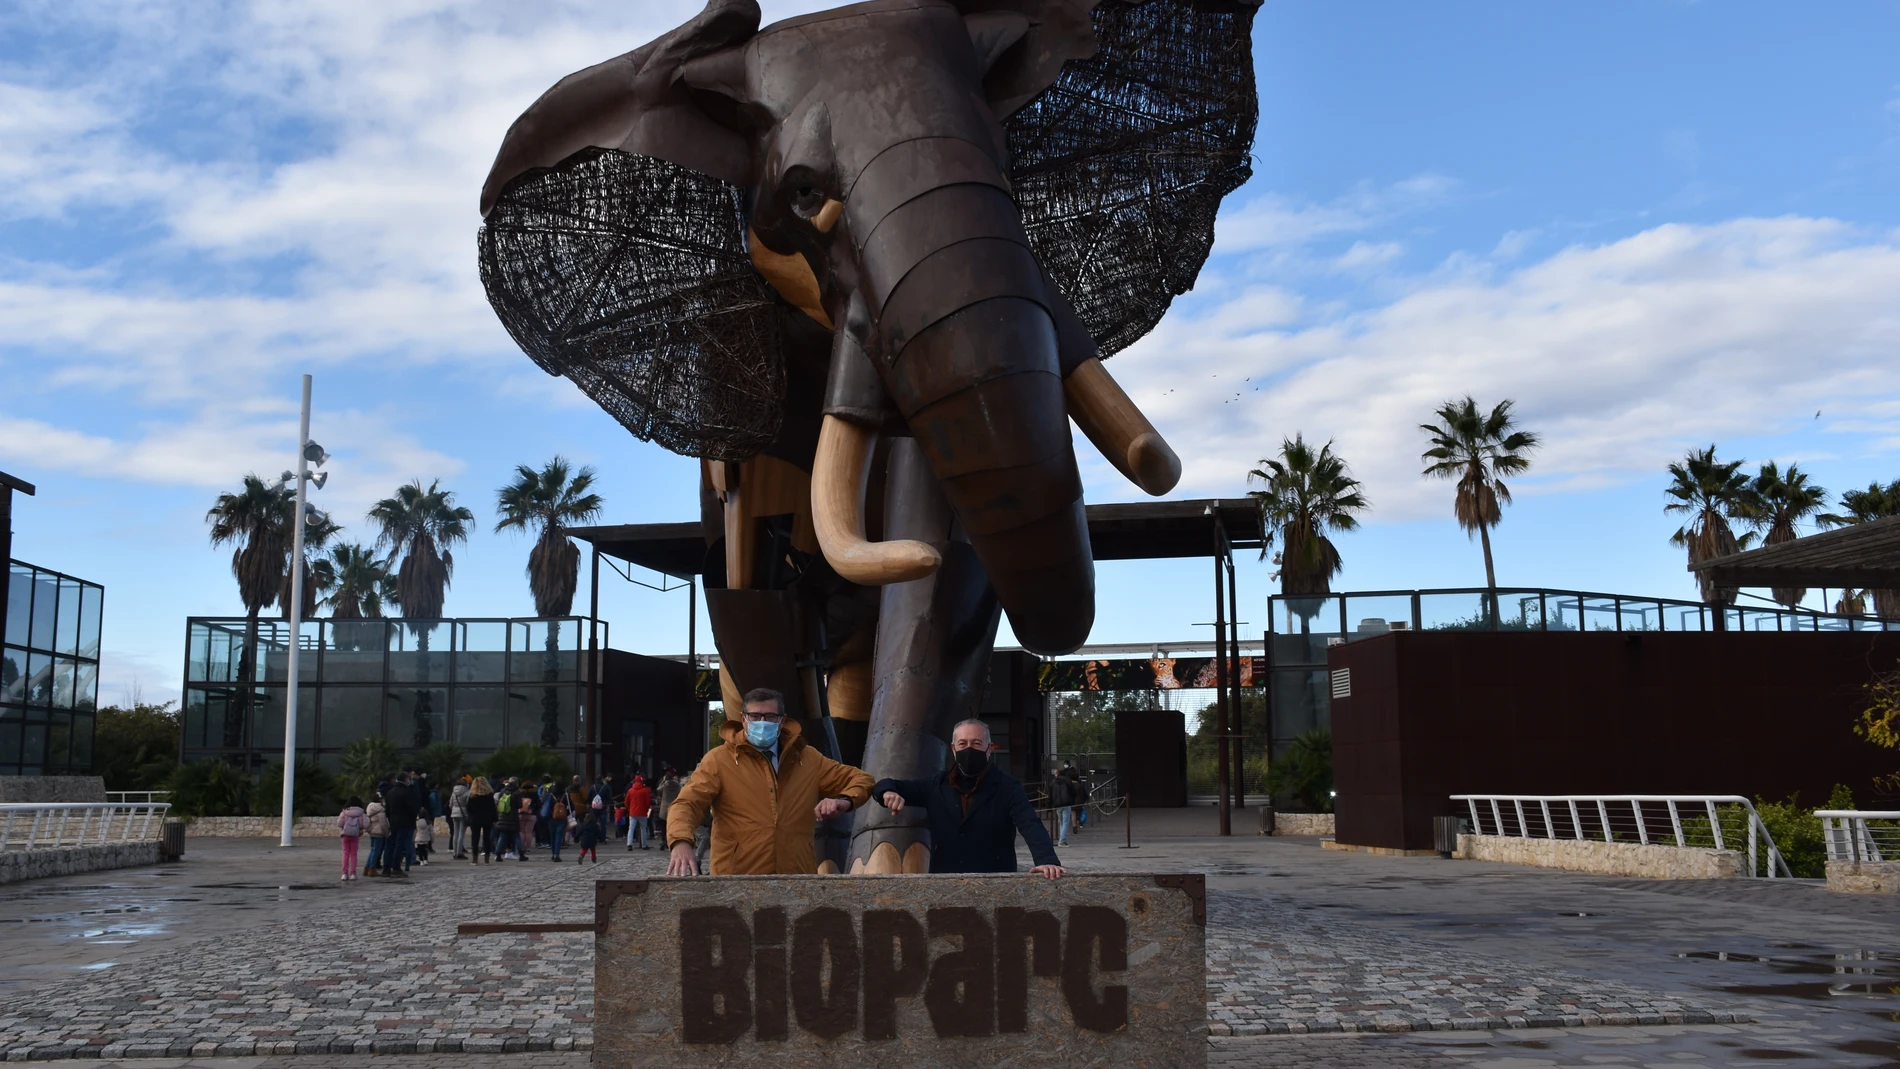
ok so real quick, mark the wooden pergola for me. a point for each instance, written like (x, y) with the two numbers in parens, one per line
(1864, 556)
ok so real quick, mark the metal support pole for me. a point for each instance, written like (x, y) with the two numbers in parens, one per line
(1233, 628)
(296, 619)
(594, 721)
(1220, 686)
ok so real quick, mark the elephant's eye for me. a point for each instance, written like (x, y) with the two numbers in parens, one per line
(807, 202)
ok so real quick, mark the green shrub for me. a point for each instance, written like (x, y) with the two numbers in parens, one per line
(1797, 831)
(136, 749)
(1304, 773)
(526, 761)
(365, 762)
(316, 791)
(210, 788)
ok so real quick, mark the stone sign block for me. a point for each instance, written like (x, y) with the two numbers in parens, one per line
(901, 971)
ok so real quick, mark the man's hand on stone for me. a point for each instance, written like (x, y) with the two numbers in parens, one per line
(893, 801)
(830, 807)
(1052, 872)
(681, 862)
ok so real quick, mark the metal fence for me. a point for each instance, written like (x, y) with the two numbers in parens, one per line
(43, 826)
(137, 796)
(1702, 821)
(1860, 835)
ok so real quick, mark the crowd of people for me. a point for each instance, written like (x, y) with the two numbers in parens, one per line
(501, 819)
(765, 784)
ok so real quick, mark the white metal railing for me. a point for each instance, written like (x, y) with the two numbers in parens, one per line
(137, 796)
(1705, 821)
(1860, 834)
(42, 826)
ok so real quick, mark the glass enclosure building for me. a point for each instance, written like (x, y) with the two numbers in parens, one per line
(479, 683)
(49, 673)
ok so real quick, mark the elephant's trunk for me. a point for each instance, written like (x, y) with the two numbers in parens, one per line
(960, 329)
(999, 444)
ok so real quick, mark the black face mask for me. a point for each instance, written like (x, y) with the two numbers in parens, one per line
(971, 762)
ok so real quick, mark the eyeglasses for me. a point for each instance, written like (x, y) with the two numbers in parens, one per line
(768, 717)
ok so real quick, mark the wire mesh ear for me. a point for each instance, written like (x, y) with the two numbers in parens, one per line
(1120, 166)
(629, 275)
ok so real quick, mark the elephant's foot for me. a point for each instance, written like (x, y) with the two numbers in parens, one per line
(887, 842)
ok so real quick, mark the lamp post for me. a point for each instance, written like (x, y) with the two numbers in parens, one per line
(308, 452)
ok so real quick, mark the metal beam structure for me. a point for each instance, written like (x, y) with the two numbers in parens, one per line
(8, 484)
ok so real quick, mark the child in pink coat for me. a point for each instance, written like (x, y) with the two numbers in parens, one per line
(351, 823)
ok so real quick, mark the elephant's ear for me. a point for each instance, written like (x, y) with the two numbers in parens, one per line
(612, 248)
(628, 274)
(1121, 164)
(635, 102)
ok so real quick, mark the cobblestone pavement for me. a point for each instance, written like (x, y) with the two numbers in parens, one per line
(1482, 971)
(1273, 969)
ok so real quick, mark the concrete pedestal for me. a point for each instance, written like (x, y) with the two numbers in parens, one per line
(901, 971)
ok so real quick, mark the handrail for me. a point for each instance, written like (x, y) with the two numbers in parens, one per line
(1626, 816)
(1850, 838)
(125, 797)
(47, 825)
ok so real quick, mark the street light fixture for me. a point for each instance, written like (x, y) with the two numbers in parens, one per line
(305, 514)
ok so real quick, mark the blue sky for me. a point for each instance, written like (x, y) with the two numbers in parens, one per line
(1654, 225)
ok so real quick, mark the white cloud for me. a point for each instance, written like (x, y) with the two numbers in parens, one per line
(1620, 354)
(1272, 221)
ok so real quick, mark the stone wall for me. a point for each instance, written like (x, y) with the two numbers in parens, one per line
(1864, 877)
(882, 972)
(273, 828)
(17, 865)
(1302, 823)
(52, 789)
(1608, 859)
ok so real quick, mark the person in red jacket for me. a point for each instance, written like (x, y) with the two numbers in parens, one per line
(639, 804)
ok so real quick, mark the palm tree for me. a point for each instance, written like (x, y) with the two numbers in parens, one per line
(1861, 506)
(550, 500)
(315, 572)
(356, 593)
(255, 521)
(1307, 494)
(422, 525)
(1712, 493)
(1476, 449)
(1781, 501)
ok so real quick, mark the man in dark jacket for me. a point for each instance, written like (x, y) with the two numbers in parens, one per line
(402, 803)
(974, 811)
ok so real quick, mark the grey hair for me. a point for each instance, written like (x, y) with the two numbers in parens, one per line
(987, 738)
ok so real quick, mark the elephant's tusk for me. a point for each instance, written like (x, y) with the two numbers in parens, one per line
(1103, 411)
(838, 475)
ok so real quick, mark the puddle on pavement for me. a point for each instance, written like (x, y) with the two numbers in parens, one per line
(1864, 974)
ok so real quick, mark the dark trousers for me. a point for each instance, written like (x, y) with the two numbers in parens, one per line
(401, 852)
(481, 839)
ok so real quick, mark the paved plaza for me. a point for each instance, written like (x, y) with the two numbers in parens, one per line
(247, 955)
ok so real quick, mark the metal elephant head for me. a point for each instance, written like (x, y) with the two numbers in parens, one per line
(977, 199)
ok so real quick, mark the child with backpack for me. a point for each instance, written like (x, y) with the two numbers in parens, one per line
(351, 823)
(589, 833)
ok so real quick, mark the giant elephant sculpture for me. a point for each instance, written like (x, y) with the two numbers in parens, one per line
(865, 265)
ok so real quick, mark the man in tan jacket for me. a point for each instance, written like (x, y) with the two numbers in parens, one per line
(768, 788)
